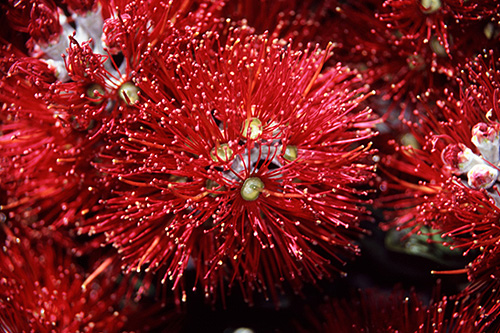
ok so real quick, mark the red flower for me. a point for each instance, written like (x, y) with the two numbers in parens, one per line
(458, 160)
(43, 289)
(423, 20)
(451, 183)
(58, 112)
(296, 22)
(407, 53)
(247, 171)
(45, 164)
(377, 311)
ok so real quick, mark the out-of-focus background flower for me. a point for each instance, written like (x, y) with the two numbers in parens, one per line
(249, 166)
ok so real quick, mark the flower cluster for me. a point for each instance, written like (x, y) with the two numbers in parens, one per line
(153, 147)
(242, 163)
(396, 311)
(45, 288)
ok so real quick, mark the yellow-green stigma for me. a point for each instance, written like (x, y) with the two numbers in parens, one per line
(251, 189)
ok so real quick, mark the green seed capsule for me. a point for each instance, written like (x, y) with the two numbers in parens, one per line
(251, 189)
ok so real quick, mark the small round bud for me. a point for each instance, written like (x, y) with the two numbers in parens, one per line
(482, 176)
(251, 189)
(221, 153)
(416, 62)
(459, 158)
(487, 140)
(437, 47)
(252, 128)
(290, 153)
(430, 6)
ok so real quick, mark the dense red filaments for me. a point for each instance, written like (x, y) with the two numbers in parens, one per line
(45, 163)
(43, 289)
(381, 311)
(445, 20)
(411, 50)
(451, 182)
(301, 21)
(247, 171)
(451, 152)
(52, 132)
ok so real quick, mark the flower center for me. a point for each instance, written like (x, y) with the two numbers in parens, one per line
(262, 154)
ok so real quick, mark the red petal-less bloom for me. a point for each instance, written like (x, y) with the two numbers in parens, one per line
(404, 65)
(423, 20)
(39, 19)
(43, 289)
(395, 67)
(451, 183)
(444, 34)
(454, 30)
(52, 131)
(30, 134)
(484, 286)
(44, 165)
(248, 171)
(457, 166)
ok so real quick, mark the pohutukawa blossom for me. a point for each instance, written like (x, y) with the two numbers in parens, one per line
(378, 311)
(451, 182)
(425, 20)
(44, 289)
(408, 50)
(57, 110)
(247, 170)
(394, 66)
(485, 287)
(45, 164)
(211, 137)
(300, 21)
